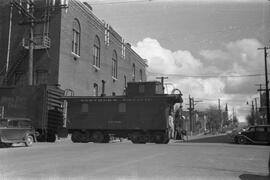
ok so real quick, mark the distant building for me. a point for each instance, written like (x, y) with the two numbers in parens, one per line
(73, 49)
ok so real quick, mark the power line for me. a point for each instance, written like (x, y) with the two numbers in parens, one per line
(226, 100)
(209, 76)
(119, 2)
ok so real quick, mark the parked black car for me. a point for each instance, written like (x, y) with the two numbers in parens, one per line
(255, 134)
(16, 130)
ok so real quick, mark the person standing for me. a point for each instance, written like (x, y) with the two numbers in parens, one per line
(171, 128)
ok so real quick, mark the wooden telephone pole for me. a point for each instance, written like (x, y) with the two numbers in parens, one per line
(266, 83)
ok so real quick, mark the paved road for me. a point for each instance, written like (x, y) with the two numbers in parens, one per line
(124, 160)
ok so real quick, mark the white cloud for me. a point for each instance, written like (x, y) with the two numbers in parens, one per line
(238, 57)
(161, 60)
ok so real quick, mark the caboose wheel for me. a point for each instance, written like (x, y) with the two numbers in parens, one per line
(75, 137)
(135, 137)
(98, 137)
(166, 140)
(159, 138)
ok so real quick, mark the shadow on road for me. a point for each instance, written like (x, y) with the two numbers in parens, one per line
(212, 139)
(253, 177)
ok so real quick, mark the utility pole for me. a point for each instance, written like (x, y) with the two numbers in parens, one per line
(29, 12)
(190, 114)
(162, 81)
(31, 45)
(260, 90)
(220, 116)
(26, 8)
(191, 109)
(266, 83)
(256, 112)
(252, 113)
(193, 106)
(9, 37)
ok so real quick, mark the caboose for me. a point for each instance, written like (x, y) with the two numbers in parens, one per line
(141, 115)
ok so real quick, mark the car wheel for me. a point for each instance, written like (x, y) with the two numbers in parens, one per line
(29, 140)
(241, 140)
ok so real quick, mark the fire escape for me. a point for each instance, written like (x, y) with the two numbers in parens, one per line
(33, 15)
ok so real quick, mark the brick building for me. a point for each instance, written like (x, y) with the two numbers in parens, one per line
(73, 49)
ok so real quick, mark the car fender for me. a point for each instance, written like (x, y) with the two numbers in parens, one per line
(247, 138)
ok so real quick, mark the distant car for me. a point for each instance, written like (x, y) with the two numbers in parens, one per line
(255, 134)
(16, 130)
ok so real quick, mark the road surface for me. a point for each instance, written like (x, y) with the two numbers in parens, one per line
(196, 159)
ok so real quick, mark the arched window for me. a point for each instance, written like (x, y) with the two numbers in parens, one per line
(96, 52)
(95, 89)
(125, 84)
(133, 72)
(141, 75)
(76, 33)
(114, 64)
(125, 81)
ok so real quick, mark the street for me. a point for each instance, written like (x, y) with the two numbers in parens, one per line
(195, 159)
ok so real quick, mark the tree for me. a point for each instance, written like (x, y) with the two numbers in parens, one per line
(250, 120)
(213, 119)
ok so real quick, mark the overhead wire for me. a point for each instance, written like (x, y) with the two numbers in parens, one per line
(208, 76)
(118, 2)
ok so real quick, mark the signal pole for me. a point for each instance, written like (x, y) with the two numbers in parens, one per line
(266, 83)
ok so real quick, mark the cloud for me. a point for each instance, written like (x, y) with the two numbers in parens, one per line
(239, 56)
(161, 60)
(234, 58)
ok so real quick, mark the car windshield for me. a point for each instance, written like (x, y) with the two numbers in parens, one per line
(3, 122)
(251, 129)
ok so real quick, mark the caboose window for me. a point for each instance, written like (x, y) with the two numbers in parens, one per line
(141, 88)
(84, 108)
(122, 107)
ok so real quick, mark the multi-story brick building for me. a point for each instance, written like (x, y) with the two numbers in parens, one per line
(72, 48)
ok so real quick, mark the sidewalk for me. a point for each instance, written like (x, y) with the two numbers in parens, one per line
(198, 137)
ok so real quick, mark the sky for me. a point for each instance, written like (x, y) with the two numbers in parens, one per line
(207, 48)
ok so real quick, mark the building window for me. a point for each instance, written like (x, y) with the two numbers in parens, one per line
(76, 32)
(123, 49)
(125, 81)
(141, 75)
(41, 77)
(125, 84)
(114, 65)
(107, 34)
(95, 89)
(96, 52)
(133, 72)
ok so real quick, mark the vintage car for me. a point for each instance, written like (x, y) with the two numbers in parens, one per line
(16, 130)
(255, 134)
